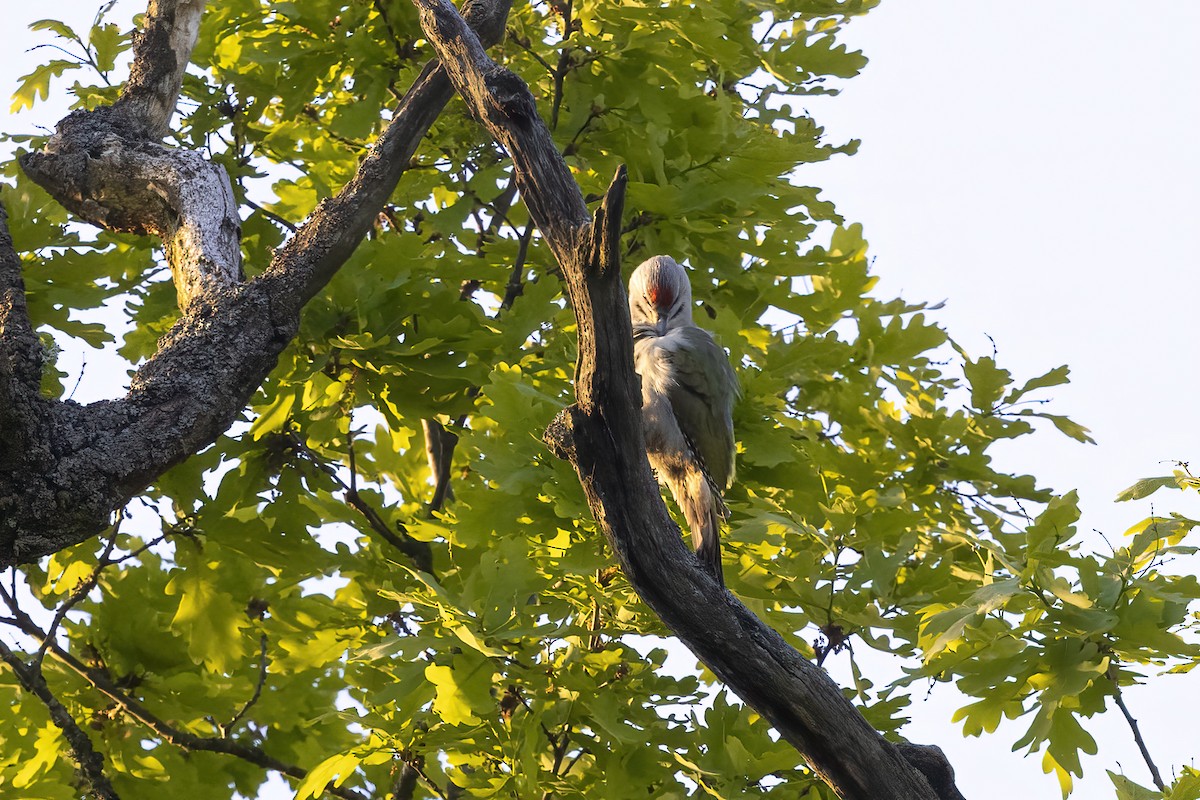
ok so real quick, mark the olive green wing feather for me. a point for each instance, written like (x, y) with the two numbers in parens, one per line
(702, 398)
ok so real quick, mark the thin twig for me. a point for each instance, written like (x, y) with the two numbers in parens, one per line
(554, 740)
(263, 662)
(271, 215)
(582, 752)
(516, 278)
(78, 378)
(525, 45)
(1133, 726)
(418, 551)
(428, 781)
(103, 683)
(182, 529)
(81, 591)
(352, 458)
(402, 51)
(564, 66)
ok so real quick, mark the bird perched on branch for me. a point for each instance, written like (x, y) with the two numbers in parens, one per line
(688, 392)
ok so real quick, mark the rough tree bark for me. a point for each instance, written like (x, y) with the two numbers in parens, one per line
(64, 468)
(602, 437)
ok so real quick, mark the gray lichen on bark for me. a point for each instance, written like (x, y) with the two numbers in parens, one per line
(64, 468)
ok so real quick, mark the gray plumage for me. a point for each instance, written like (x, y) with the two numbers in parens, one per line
(688, 392)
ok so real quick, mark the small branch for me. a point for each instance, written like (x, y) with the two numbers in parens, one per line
(439, 451)
(81, 591)
(554, 740)
(271, 215)
(516, 278)
(1137, 731)
(498, 208)
(263, 662)
(583, 751)
(404, 51)
(90, 762)
(527, 46)
(433, 787)
(564, 66)
(101, 682)
(595, 643)
(351, 456)
(420, 552)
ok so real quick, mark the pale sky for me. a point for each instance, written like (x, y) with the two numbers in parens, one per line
(1034, 165)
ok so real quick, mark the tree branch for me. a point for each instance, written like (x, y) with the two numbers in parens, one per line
(81, 591)
(405, 786)
(161, 52)
(439, 452)
(65, 468)
(1137, 731)
(602, 437)
(101, 682)
(20, 350)
(106, 166)
(263, 662)
(420, 552)
(90, 762)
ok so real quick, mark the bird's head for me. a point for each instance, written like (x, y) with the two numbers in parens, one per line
(660, 297)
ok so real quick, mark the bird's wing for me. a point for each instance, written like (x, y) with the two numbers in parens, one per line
(702, 397)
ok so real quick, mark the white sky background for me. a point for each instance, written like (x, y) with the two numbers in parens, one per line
(1034, 165)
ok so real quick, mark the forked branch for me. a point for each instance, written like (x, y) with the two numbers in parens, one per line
(602, 437)
(65, 468)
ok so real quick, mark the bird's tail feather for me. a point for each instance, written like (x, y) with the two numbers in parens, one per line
(709, 551)
(704, 510)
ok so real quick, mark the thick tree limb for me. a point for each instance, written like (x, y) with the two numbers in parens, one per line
(175, 195)
(602, 437)
(107, 167)
(64, 468)
(161, 52)
(20, 351)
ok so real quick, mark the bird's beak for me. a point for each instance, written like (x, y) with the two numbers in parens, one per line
(661, 327)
